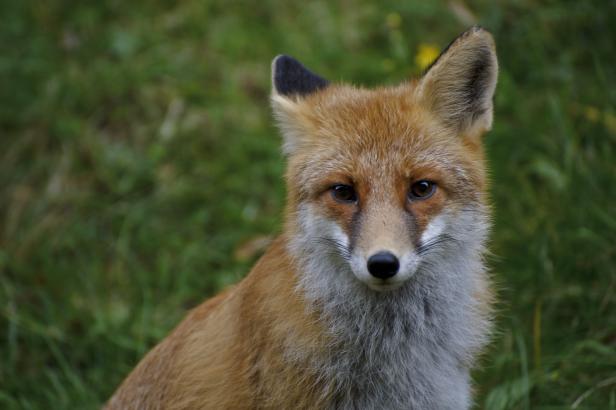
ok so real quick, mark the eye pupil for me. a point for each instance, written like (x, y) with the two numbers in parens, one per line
(344, 193)
(422, 189)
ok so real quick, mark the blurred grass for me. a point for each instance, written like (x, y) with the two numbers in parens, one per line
(137, 157)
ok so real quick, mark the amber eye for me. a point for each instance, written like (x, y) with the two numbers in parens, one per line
(344, 193)
(422, 190)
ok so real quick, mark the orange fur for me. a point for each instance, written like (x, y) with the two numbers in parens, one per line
(225, 354)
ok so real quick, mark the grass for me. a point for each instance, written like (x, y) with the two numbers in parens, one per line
(139, 167)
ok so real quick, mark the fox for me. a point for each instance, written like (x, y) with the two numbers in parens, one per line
(376, 293)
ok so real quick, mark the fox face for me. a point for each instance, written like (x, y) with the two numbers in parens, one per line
(383, 182)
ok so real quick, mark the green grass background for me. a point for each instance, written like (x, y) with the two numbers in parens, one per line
(137, 155)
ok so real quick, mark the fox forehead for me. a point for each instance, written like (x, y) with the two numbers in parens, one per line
(377, 135)
(359, 118)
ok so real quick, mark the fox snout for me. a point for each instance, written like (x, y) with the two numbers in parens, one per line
(382, 245)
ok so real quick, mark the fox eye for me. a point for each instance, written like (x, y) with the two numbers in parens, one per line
(344, 193)
(422, 189)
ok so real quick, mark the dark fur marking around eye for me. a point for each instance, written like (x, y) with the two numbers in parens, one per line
(355, 228)
(291, 77)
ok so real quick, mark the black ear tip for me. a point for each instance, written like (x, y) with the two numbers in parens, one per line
(289, 76)
(284, 65)
(282, 62)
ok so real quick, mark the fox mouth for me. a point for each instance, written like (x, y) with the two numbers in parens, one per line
(385, 286)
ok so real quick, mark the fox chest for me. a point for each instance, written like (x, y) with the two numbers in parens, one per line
(395, 379)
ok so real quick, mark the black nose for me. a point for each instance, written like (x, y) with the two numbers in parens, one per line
(383, 265)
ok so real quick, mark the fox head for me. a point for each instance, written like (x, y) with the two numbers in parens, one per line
(384, 182)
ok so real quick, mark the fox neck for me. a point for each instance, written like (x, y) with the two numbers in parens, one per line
(407, 348)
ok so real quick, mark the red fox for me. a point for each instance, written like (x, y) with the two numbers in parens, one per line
(375, 295)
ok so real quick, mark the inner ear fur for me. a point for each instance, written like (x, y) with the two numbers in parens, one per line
(459, 86)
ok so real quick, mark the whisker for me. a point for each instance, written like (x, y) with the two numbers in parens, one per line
(474, 211)
(343, 250)
(424, 248)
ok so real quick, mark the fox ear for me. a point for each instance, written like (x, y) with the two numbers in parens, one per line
(290, 77)
(458, 87)
(291, 82)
